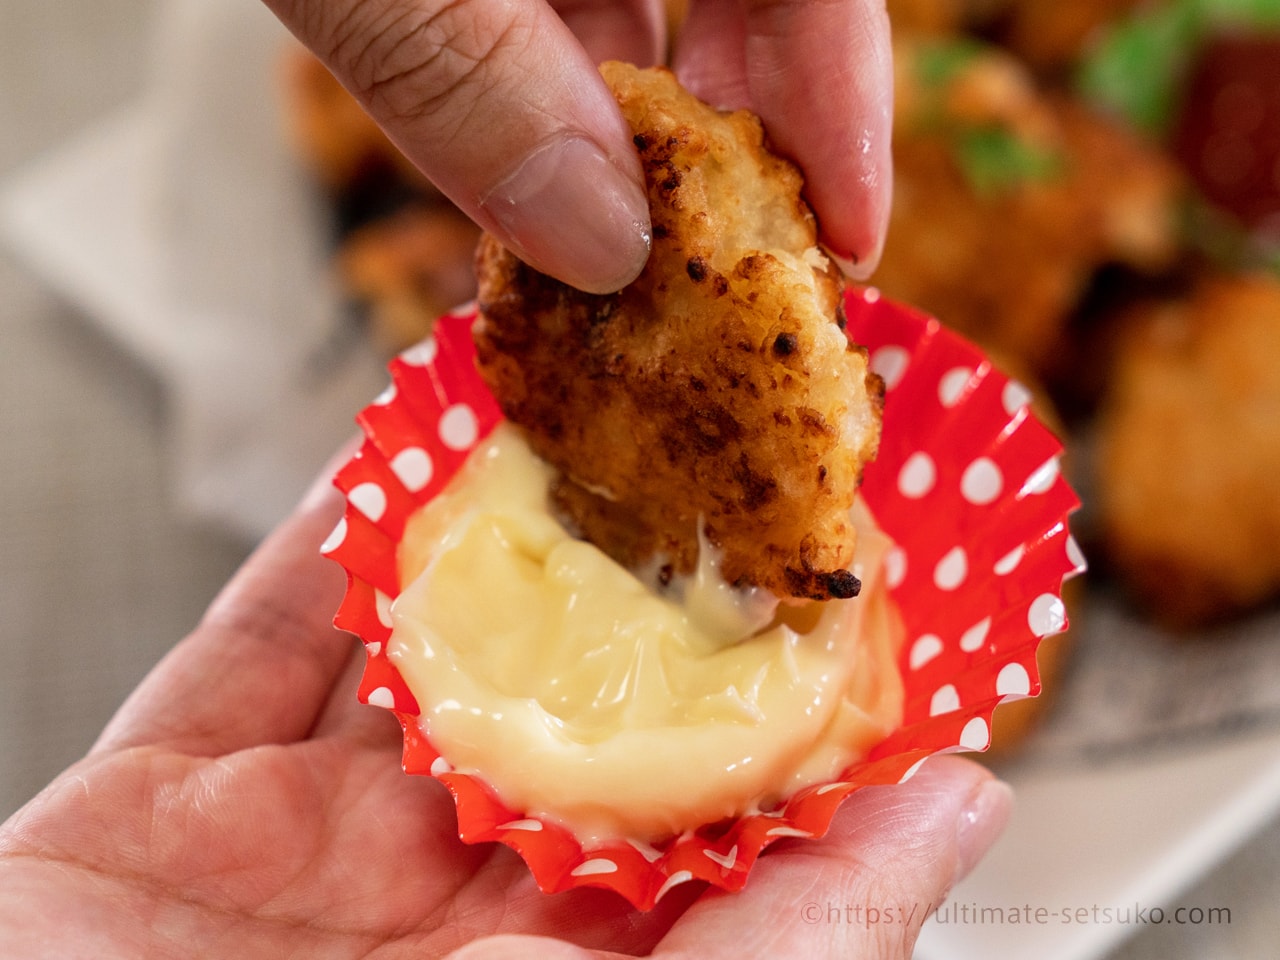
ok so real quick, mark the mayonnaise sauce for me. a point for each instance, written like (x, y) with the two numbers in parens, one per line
(581, 695)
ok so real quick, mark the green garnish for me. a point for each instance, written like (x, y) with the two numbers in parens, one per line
(994, 159)
(1137, 67)
(936, 64)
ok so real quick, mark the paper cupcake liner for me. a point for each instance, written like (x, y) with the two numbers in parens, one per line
(966, 483)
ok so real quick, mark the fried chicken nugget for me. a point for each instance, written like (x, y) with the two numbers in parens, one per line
(408, 268)
(1189, 451)
(715, 396)
(1007, 200)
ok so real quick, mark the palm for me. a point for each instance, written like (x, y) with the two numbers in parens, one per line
(321, 847)
(242, 804)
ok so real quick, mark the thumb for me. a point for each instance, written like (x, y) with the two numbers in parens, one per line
(865, 889)
(501, 108)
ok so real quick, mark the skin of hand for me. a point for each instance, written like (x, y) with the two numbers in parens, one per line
(499, 103)
(243, 804)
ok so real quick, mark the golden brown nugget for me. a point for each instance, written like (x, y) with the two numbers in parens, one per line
(1007, 200)
(717, 396)
(1050, 35)
(409, 268)
(1189, 451)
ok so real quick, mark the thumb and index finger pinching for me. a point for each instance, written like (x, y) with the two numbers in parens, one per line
(505, 112)
(501, 106)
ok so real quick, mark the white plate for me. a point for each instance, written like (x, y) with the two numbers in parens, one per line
(185, 228)
(1160, 758)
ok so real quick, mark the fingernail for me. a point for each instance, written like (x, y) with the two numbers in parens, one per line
(982, 819)
(570, 212)
(860, 271)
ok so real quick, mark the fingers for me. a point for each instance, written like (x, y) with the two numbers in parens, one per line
(865, 889)
(517, 947)
(630, 30)
(344, 716)
(710, 55)
(261, 664)
(819, 73)
(504, 110)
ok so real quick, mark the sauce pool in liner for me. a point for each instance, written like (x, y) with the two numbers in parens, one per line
(975, 572)
(488, 708)
(581, 695)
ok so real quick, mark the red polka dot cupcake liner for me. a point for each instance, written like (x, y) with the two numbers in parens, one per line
(966, 483)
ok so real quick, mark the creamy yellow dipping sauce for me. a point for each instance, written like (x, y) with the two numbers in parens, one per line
(581, 695)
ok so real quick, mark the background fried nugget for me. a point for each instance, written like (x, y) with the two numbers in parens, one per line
(1007, 199)
(1189, 451)
(719, 387)
(408, 268)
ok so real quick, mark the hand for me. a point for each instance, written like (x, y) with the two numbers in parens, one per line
(499, 103)
(243, 804)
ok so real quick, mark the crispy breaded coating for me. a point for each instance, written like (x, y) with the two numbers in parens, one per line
(1189, 451)
(718, 392)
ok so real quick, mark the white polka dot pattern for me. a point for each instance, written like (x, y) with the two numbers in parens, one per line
(951, 569)
(981, 481)
(725, 860)
(677, 878)
(1014, 397)
(924, 649)
(421, 354)
(1013, 681)
(648, 851)
(1042, 480)
(945, 700)
(590, 868)
(526, 824)
(370, 499)
(413, 468)
(1009, 562)
(336, 538)
(917, 476)
(976, 735)
(961, 458)
(952, 385)
(382, 603)
(973, 638)
(381, 697)
(1076, 555)
(890, 363)
(1047, 615)
(458, 427)
(787, 832)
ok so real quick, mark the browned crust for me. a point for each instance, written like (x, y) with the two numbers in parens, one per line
(718, 387)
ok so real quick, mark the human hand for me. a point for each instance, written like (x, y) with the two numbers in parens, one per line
(243, 804)
(501, 106)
